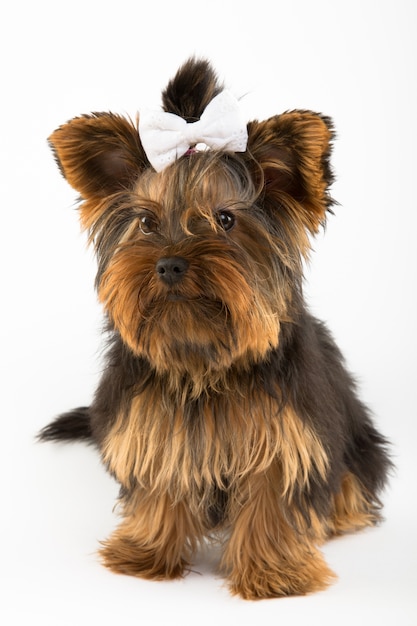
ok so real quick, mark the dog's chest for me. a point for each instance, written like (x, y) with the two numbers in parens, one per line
(210, 444)
(191, 445)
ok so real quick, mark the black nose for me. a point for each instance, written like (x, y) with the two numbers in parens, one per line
(171, 269)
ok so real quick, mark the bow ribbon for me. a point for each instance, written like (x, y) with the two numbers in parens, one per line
(166, 137)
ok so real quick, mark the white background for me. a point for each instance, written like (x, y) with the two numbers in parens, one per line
(354, 61)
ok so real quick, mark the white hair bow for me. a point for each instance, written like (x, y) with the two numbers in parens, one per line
(165, 136)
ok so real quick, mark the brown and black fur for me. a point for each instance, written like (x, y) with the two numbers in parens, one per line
(225, 410)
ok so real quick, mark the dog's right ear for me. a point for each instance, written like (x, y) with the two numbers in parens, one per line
(99, 154)
(293, 150)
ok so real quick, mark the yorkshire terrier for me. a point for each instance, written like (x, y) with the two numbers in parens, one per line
(225, 410)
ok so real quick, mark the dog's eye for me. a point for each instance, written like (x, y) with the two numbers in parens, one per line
(148, 224)
(225, 219)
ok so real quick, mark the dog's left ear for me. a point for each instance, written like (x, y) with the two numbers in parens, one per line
(293, 151)
(98, 154)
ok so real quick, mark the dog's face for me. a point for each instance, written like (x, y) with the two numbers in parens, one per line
(198, 265)
(197, 277)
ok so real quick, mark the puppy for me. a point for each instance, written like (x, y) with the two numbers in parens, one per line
(225, 410)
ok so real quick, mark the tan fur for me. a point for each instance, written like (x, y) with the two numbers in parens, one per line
(353, 510)
(173, 475)
(300, 453)
(266, 556)
(155, 540)
(154, 448)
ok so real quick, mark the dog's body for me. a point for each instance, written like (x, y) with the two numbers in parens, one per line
(225, 409)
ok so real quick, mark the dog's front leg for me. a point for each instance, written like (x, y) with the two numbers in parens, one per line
(267, 556)
(155, 539)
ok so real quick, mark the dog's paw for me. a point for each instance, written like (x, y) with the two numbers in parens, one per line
(123, 556)
(257, 583)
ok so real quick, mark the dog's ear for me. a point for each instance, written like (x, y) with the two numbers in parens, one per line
(293, 151)
(99, 154)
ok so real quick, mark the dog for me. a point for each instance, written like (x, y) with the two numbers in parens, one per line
(225, 410)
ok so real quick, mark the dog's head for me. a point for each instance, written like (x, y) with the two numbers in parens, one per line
(199, 263)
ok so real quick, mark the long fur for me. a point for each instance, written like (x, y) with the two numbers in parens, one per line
(225, 409)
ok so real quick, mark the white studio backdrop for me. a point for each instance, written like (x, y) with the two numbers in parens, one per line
(354, 61)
